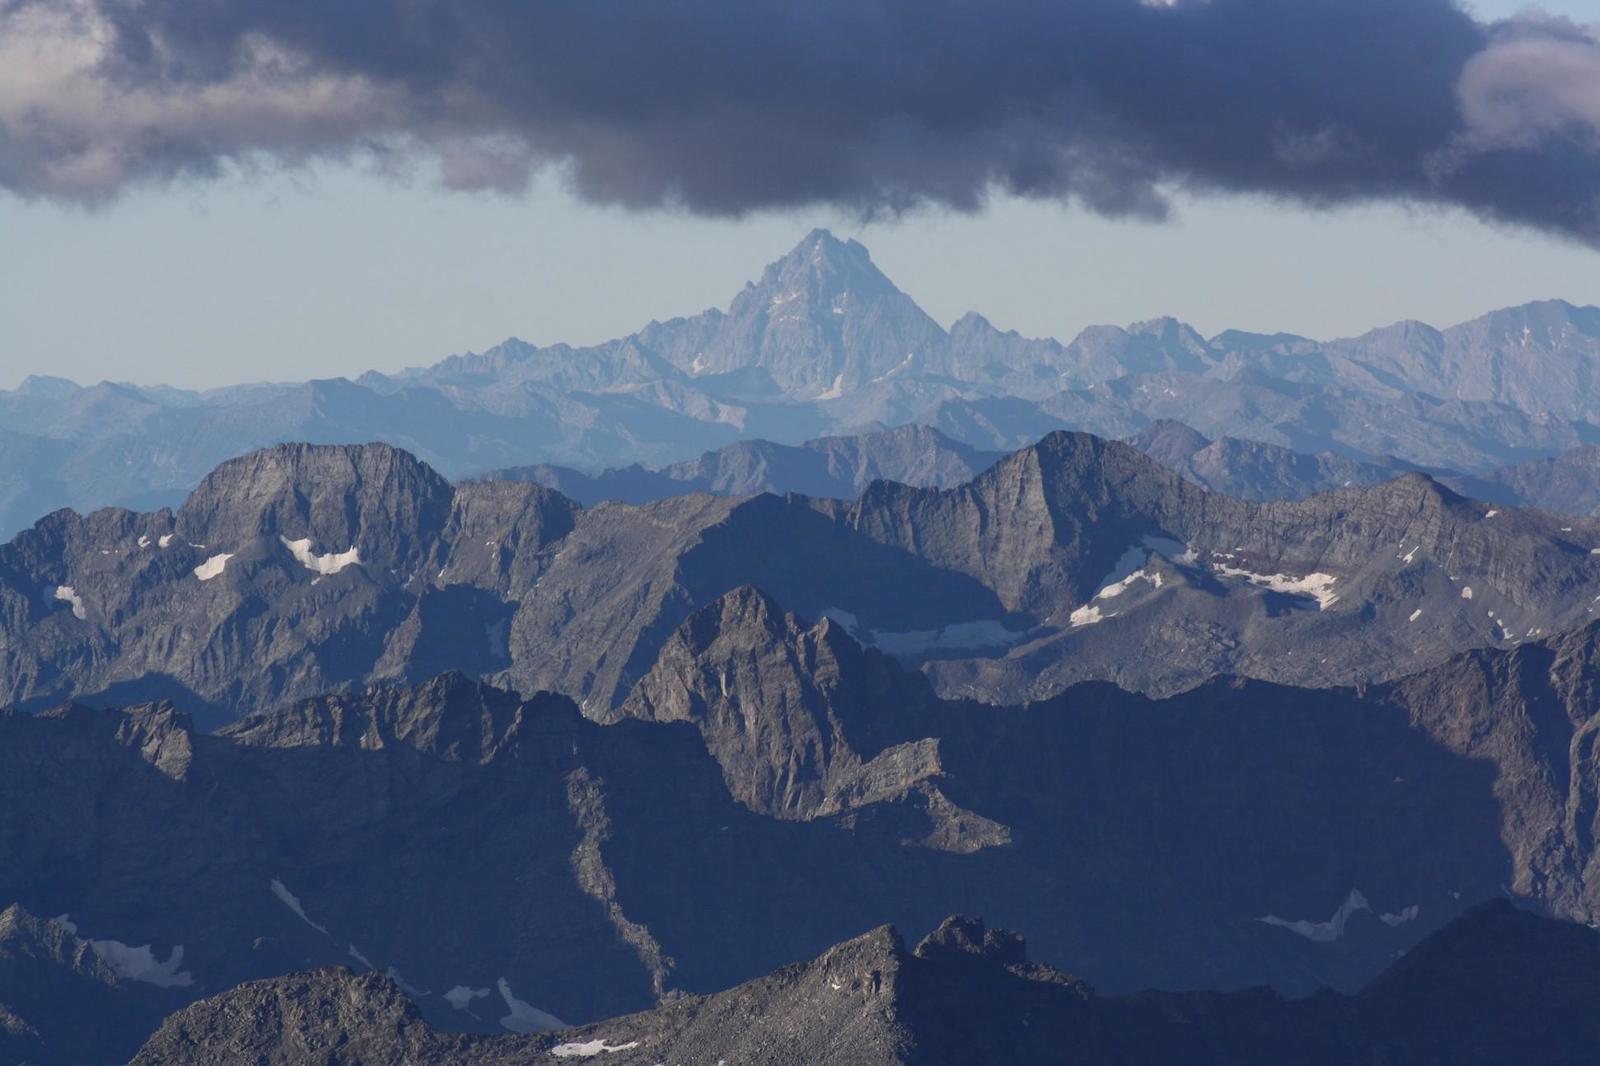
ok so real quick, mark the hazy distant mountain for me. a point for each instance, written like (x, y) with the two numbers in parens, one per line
(1496, 986)
(1252, 470)
(1568, 483)
(824, 344)
(832, 466)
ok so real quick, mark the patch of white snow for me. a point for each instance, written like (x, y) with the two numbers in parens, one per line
(67, 594)
(525, 1017)
(590, 1049)
(292, 901)
(141, 964)
(212, 566)
(1328, 931)
(165, 540)
(1408, 914)
(460, 997)
(1087, 615)
(1415, 615)
(1317, 585)
(1175, 551)
(394, 974)
(961, 636)
(843, 617)
(329, 563)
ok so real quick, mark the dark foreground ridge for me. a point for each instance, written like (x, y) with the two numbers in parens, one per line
(1494, 987)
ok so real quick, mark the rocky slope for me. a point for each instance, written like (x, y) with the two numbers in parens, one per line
(1496, 986)
(770, 788)
(69, 1000)
(1113, 567)
(306, 569)
(799, 718)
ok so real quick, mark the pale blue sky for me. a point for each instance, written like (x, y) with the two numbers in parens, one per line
(330, 272)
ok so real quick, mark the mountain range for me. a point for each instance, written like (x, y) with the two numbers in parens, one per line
(623, 702)
(303, 569)
(842, 467)
(823, 343)
(771, 787)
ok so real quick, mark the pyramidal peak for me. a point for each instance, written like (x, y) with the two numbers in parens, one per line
(822, 265)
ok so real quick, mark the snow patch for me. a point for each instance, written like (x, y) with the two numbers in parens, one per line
(843, 617)
(897, 368)
(1408, 914)
(212, 566)
(1117, 588)
(958, 636)
(961, 636)
(460, 997)
(834, 391)
(590, 1049)
(1330, 930)
(1173, 550)
(393, 973)
(1408, 556)
(330, 563)
(1491, 512)
(1415, 615)
(1087, 615)
(495, 634)
(1317, 585)
(141, 964)
(144, 541)
(525, 1017)
(1466, 592)
(292, 901)
(67, 594)
(164, 541)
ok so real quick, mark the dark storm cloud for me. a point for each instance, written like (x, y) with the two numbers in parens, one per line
(725, 106)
